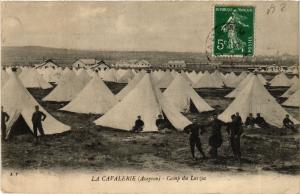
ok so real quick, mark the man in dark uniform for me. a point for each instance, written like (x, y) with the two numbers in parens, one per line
(215, 139)
(193, 130)
(139, 125)
(234, 132)
(4, 119)
(37, 118)
(260, 121)
(160, 122)
(288, 124)
(239, 119)
(250, 121)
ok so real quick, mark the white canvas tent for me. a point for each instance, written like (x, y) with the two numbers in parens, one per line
(4, 77)
(280, 80)
(55, 75)
(181, 94)
(147, 101)
(294, 80)
(240, 87)
(193, 76)
(166, 80)
(32, 79)
(109, 75)
(184, 75)
(22, 104)
(157, 75)
(254, 98)
(83, 76)
(243, 75)
(124, 76)
(67, 88)
(293, 100)
(130, 86)
(218, 74)
(231, 80)
(290, 91)
(262, 79)
(95, 98)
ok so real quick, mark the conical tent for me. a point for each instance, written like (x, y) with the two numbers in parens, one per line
(95, 98)
(55, 75)
(290, 91)
(231, 80)
(109, 75)
(240, 87)
(166, 80)
(254, 98)
(262, 79)
(193, 76)
(293, 100)
(209, 81)
(218, 74)
(147, 101)
(174, 72)
(124, 76)
(32, 79)
(184, 75)
(280, 80)
(45, 73)
(83, 76)
(4, 77)
(90, 72)
(93, 74)
(130, 86)
(180, 94)
(294, 80)
(67, 88)
(157, 75)
(78, 71)
(22, 104)
(243, 75)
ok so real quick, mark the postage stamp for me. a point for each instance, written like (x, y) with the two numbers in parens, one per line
(233, 30)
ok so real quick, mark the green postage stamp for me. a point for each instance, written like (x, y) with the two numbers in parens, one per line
(233, 30)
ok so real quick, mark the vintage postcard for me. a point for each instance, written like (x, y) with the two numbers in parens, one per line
(150, 97)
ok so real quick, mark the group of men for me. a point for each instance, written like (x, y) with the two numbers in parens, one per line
(287, 123)
(37, 118)
(233, 128)
(160, 122)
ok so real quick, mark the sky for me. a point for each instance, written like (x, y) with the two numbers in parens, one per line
(140, 26)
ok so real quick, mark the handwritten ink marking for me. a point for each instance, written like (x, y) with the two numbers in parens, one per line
(13, 173)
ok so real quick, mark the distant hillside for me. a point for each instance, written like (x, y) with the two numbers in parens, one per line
(35, 54)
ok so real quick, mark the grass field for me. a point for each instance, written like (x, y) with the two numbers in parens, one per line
(88, 146)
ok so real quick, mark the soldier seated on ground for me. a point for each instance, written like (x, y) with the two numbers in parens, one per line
(260, 121)
(139, 125)
(250, 121)
(288, 124)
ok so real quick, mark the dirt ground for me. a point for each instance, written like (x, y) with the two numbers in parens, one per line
(92, 147)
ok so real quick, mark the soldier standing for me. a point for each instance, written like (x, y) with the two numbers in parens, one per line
(215, 139)
(4, 119)
(37, 118)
